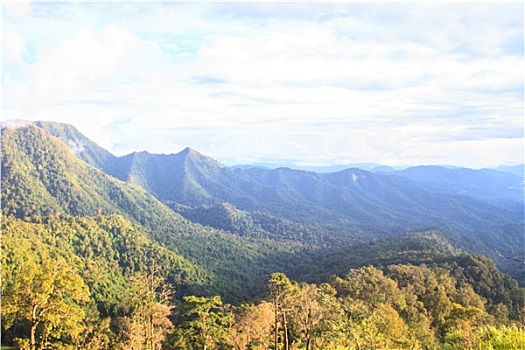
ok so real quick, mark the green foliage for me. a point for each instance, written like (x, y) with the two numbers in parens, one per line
(203, 324)
(259, 225)
(43, 291)
(107, 249)
(486, 337)
(395, 306)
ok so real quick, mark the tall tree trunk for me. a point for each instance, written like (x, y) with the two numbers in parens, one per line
(34, 324)
(33, 338)
(276, 329)
(307, 341)
(285, 331)
(151, 345)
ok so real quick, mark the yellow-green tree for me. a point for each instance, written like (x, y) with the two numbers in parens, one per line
(371, 302)
(315, 315)
(44, 291)
(204, 324)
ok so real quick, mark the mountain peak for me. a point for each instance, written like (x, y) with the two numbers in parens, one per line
(191, 152)
(195, 156)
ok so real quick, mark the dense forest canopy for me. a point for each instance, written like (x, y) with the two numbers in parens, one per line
(180, 252)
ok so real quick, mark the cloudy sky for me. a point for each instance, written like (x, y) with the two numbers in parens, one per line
(312, 83)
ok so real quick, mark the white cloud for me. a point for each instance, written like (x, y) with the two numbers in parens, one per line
(77, 148)
(17, 8)
(329, 83)
(13, 47)
(85, 61)
(14, 124)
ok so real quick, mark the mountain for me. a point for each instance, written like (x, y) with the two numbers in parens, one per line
(81, 146)
(51, 179)
(384, 201)
(488, 185)
(187, 177)
(259, 225)
(351, 197)
(328, 208)
(42, 177)
(99, 242)
(42, 180)
(518, 170)
(316, 168)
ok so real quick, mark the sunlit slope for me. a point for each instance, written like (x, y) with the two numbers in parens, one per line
(41, 177)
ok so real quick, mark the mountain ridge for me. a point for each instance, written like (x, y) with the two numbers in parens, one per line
(352, 204)
(54, 129)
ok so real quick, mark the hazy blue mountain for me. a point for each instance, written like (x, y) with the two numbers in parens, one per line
(418, 197)
(317, 168)
(517, 170)
(484, 184)
(382, 200)
(383, 168)
(248, 166)
(188, 177)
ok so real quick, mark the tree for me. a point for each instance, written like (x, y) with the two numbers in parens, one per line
(96, 335)
(204, 323)
(371, 302)
(281, 290)
(252, 326)
(47, 293)
(148, 301)
(463, 320)
(313, 309)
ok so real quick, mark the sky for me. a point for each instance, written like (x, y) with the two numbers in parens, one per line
(310, 83)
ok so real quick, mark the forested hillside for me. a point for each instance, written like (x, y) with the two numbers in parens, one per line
(97, 284)
(178, 251)
(482, 210)
(42, 178)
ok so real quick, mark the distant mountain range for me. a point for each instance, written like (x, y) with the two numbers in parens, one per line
(194, 205)
(406, 199)
(517, 169)
(318, 168)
